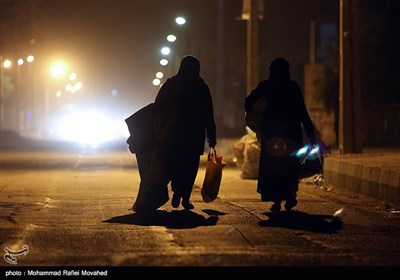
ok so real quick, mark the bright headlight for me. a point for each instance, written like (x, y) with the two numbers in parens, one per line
(89, 128)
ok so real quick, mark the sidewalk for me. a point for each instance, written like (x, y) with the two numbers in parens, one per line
(374, 173)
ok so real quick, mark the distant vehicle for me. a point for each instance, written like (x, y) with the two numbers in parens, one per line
(88, 127)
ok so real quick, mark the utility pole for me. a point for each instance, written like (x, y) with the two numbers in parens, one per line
(350, 118)
(220, 74)
(252, 12)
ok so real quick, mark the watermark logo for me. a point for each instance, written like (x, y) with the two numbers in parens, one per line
(10, 255)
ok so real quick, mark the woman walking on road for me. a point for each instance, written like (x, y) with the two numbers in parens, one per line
(280, 103)
(183, 118)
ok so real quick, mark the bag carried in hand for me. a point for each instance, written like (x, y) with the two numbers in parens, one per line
(213, 176)
(311, 161)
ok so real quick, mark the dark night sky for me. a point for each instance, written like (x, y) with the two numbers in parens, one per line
(115, 44)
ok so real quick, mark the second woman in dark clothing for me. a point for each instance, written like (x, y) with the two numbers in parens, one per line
(283, 113)
(183, 118)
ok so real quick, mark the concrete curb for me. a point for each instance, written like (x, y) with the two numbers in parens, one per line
(372, 174)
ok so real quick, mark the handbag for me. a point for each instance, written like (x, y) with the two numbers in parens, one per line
(213, 176)
(310, 160)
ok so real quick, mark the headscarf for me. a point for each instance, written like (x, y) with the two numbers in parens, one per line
(279, 69)
(189, 68)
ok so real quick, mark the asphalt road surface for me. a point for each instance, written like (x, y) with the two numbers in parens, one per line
(71, 208)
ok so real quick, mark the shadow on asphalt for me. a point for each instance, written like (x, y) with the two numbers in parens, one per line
(178, 219)
(303, 221)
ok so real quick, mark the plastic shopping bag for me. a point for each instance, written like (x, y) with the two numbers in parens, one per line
(213, 176)
(310, 160)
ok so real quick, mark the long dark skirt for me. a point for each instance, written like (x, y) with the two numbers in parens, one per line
(153, 189)
(278, 170)
(183, 165)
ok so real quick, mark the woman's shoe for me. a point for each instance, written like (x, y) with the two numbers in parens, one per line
(276, 207)
(176, 200)
(290, 203)
(187, 205)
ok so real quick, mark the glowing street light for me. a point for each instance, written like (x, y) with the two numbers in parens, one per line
(30, 58)
(163, 62)
(58, 69)
(72, 76)
(171, 38)
(156, 82)
(78, 86)
(180, 20)
(165, 51)
(68, 87)
(7, 63)
(159, 75)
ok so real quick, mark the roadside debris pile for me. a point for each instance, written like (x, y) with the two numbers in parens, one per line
(247, 155)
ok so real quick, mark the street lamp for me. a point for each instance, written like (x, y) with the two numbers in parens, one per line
(7, 63)
(30, 58)
(183, 46)
(171, 38)
(156, 82)
(72, 76)
(77, 86)
(58, 69)
(165, 51)
(163, 62)
(159, 75)
(180, 20)
(68, 87)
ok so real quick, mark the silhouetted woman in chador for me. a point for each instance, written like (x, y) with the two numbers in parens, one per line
(170, 138)
(281, 104)
(183, 120)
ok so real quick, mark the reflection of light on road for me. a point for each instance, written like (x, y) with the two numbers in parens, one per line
(338, 212)
(89, 128)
